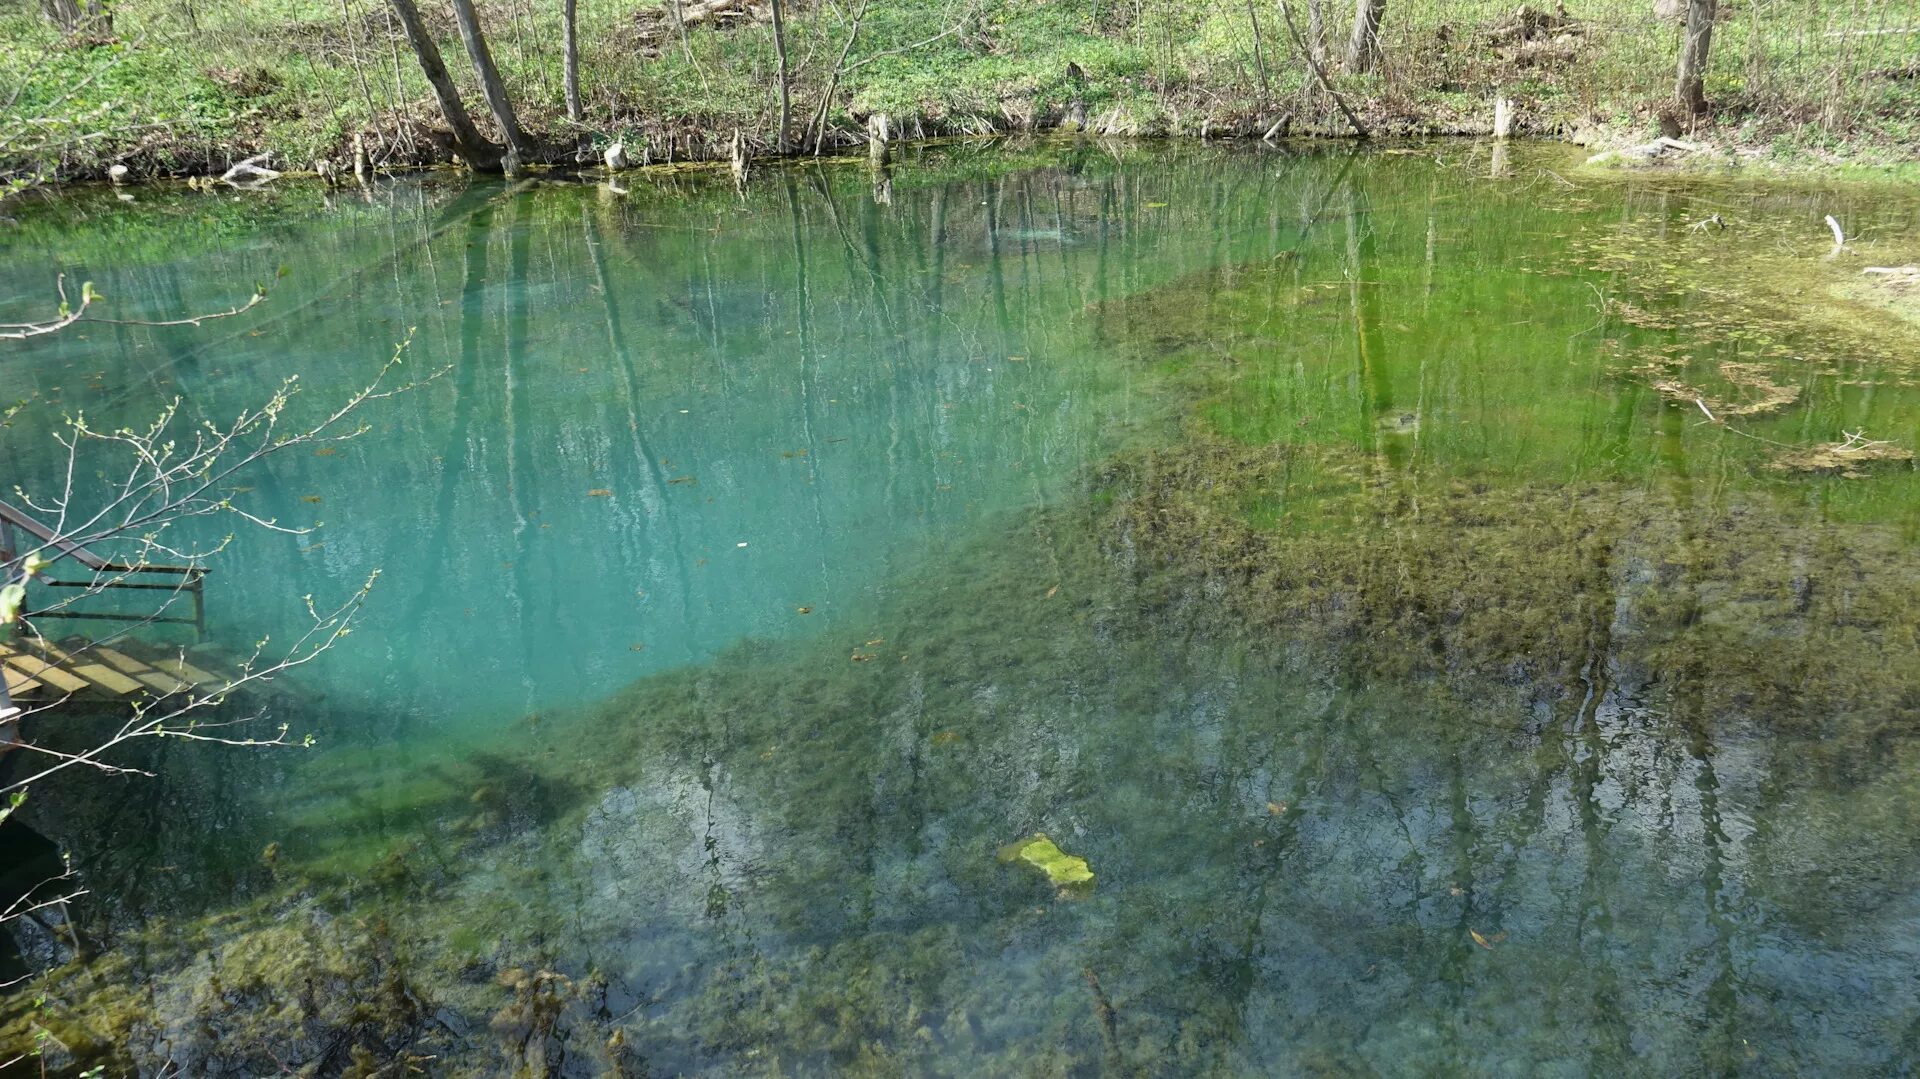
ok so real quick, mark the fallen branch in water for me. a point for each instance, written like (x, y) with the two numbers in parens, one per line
(250, 171)
(1109, 1023)
(1839, 238)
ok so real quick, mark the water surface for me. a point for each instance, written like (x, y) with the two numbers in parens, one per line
(1395, 573)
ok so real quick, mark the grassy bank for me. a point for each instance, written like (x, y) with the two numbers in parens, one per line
(177, 88)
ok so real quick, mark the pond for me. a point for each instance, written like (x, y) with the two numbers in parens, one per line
(1463, 614)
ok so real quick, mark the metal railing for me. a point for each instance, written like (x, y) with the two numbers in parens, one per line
(190, 580)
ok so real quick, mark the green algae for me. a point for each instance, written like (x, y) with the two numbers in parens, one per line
(1481, 585)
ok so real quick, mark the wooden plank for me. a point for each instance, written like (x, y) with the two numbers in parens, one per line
(18, 684)
(180, 668)
(107, 678)
(46, 672)
(101, 675)
(122, 662)
(126, 664)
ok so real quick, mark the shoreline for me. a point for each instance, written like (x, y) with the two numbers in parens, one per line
(1611, 156)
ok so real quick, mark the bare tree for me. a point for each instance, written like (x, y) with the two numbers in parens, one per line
(467, 140)
(1363, 48)
(781, 140)
(71, 17)
(64, 13)
(495, 91)
(1320, 71)
(1259, 50)
(1689, 91)
(172, 470)
(570, 37)
(126, 490)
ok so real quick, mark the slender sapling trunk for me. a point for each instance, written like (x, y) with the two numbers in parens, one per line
(491, 86)
(570, 33)
(780, 54)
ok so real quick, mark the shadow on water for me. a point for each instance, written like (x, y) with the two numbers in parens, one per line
(1315, 543)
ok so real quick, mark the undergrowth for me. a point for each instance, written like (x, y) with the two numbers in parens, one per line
(183, 87)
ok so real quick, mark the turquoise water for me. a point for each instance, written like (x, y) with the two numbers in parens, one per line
(1332, 549)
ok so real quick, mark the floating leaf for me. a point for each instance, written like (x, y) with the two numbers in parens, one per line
(1063, 870)
(804, 610)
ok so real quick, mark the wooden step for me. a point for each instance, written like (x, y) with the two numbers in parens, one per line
(18, 685)
(180, 668)
(107, 678)
(35, 667)
(102, 676)
(125, 664)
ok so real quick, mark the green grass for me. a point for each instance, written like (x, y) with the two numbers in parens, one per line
(192, 86)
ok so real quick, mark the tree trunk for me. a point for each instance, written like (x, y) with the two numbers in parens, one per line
(99, 17)
(490, 85)
(64, 13)
(1363, 49)
(1316, 33)
(780, 53)
(467, 141)
(570, 35)
(1259, 51)
(1689, 90)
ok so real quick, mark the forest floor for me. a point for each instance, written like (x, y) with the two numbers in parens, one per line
(180, 89)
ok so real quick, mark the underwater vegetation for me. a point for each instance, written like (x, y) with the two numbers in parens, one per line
(789, 863)
(1401, 694)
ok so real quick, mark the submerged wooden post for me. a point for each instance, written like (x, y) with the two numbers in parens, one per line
(1502, 117)
(879, 134)
(737, 159)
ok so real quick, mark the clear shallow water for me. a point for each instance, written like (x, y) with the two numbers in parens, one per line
(1306, 540)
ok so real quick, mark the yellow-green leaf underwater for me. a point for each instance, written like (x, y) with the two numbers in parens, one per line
(1062, 869)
